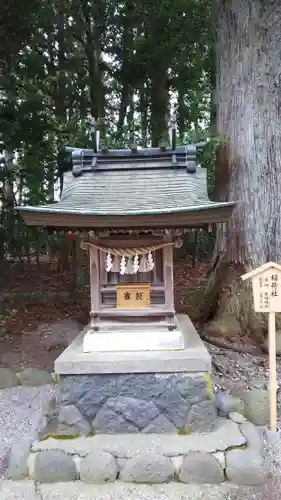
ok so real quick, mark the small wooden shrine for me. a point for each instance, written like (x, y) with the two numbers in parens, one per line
(132, 207)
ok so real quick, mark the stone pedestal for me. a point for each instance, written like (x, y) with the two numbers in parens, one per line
(115, 338)
(165, 391)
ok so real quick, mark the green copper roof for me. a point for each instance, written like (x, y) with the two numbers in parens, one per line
(132, 192)
(120, 185)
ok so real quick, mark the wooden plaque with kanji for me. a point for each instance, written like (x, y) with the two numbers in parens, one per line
(134, 296)
(267, 291)
(266, 282)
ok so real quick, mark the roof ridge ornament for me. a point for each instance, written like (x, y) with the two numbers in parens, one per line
(191, 163)
(85, 160)
(77, 162)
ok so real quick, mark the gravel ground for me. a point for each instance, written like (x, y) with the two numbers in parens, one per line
(239, 372)
(26, 490)
(125, 491)
(21, 415)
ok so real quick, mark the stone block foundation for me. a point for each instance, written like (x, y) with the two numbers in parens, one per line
(231, 452)
(136, 403)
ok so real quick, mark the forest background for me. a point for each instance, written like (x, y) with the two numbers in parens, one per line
(130, 64)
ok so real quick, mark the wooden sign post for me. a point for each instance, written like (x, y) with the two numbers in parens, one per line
(266, 282)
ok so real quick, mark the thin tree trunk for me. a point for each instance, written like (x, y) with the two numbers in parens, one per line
(63, 261)
(127, 50)
(248, 55)
(159, 105)
(181, 107)
(61, 114)
(122, 110)
(143, 106)
(92, 16)
(130, 116)
(21, 186)
(7, 215)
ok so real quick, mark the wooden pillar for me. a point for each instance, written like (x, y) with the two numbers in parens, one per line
(102, 271)
(95, 287)
(169, 284)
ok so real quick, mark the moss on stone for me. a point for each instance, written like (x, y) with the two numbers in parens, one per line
(209, 385)
(176, 478)
(184, 432)
(238, 447)
(59, 436)
(91, 434)
(55, 377)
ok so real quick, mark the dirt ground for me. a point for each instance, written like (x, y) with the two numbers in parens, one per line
(46, 314)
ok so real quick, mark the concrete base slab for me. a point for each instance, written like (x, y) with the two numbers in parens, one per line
(192, 358)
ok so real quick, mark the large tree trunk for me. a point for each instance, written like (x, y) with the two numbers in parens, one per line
(248, 97)
(248, 55)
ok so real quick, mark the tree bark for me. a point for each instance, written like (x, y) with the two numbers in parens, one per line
(248, 61)
(159, 104)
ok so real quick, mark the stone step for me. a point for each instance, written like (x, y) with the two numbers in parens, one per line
(231, 452)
